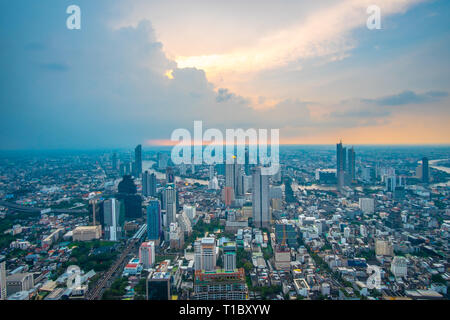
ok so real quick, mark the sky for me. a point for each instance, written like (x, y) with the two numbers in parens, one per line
(138, 70)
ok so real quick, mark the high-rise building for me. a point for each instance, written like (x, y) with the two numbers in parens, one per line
(2, 280)
(149, 184)
(114, 162)
(190, 211)
(229, 256)
(158, 286)
(154, 220)
(147, 254)
(205, 254)
(340, 165)
(260, 199)
(176, 236)
(233, 177)
(351, 160)
(425, 170)
(399, 267)
(163, 160)
(170, 175)
(138, 161)
(367, 205)
(128, 194)
(114, 219)
(170, 203)
(219, 285)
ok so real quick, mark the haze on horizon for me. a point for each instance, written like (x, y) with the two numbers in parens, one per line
(137, 71)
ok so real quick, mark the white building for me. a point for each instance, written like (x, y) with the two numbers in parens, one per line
(399, 267)
(147, 254)
(367, 205)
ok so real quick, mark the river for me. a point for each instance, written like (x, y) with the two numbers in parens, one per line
(147, 166)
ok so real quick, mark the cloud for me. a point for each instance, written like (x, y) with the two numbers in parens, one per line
(324, 33)
(408, 97)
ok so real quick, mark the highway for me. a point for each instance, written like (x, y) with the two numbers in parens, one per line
(105, 281)
(27, 209)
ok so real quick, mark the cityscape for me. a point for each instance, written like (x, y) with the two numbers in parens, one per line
(217, 159)
(130, 225)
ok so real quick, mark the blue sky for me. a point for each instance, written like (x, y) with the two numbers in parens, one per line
(138, 70)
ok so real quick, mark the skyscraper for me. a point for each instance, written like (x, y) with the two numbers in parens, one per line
(260, 199)
(340, 165)
(114, 219)
(138, 161)
(154, 220)
(132, 201)
(205, 254)
(170, 203)
(229, 256)
(170, 175)
(425, 170)
(114, 162)
(148, 184)
(233, 174)
(351, 165)
(2, 280)
(147, 254)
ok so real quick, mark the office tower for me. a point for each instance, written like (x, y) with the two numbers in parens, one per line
(218, 285)
(351, 165)
(212, 172)
(247, 167)
(170, 203)
(132, 201)
(163, 160)
(125, 168)
(149, 184)
(138, 161)
(394, 220)
(190, 211)
(158, 286)
(198, 255)
(233, 175)
(115, 165)
(176, 236)
(425, 170)
(367, 205)
(229, 256)
(260, 199)
(240, 181)
(340, 165)
(205, 254)
(154, 220)
(147, 254)
(228, 196)
(2, 280)
(399, 267)
(114, 219)
(368, 174)
(185, 223)
(170, 175)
